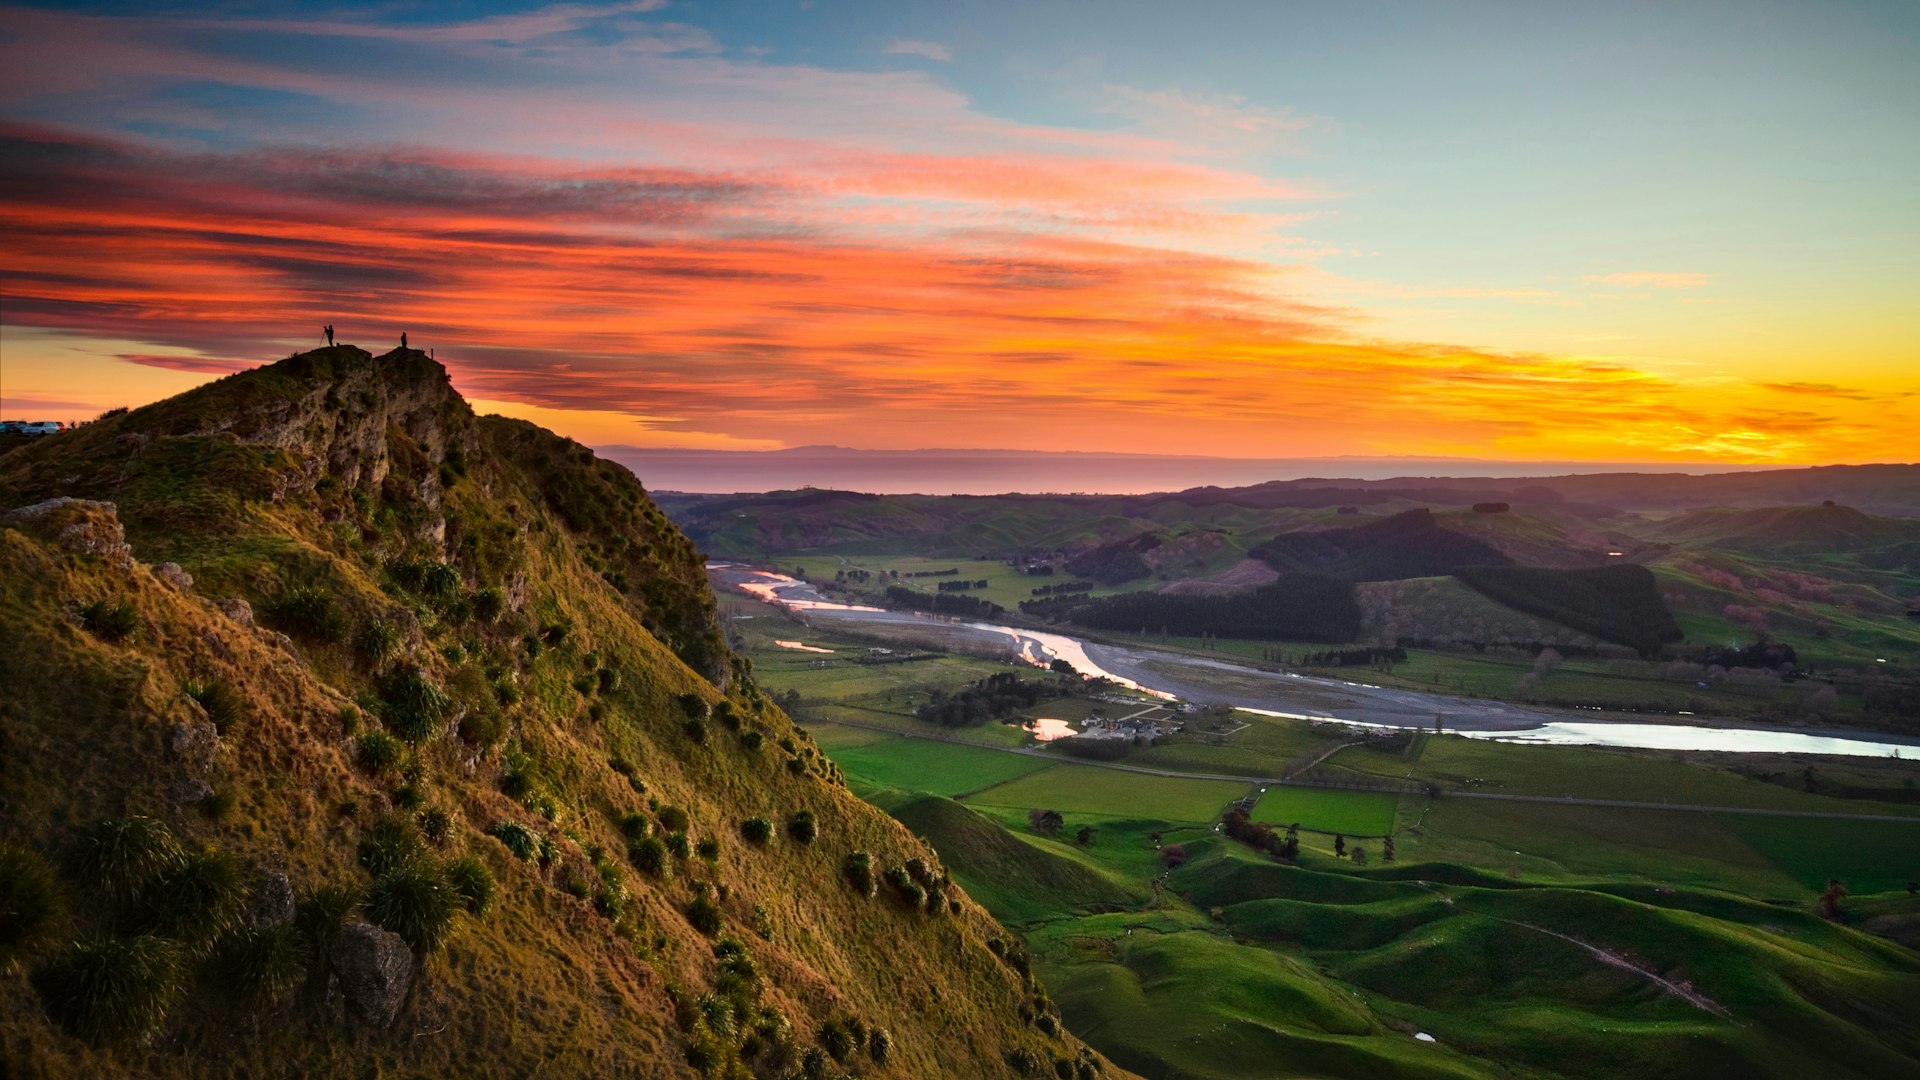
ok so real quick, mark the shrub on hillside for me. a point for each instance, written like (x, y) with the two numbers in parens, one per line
(197, 901)
(518, 839)
(756, 830)
(259, 965)
(489, 604)
(415, 901)
(223, 704)
(33, 907)
(379, 751)
(672, 818)
(122, 857)
(113, 990)
(708, 848)
(801, 827)
(309, 613)
(472, 882)
(678, 843)
(110, 621)
(391, 842)
(648, 854)
(378, 644)
(704, 915)
(414, 705)
(321, 913)
(858, 870)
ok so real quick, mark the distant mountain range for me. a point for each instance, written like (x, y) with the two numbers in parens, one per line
(995, 472)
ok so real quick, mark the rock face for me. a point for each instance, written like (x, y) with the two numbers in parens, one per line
(193, 743)
(172, 574)
(236, 609)
(81, 526)
(371, 973)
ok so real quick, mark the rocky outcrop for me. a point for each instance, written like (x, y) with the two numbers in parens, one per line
(372, 970)
(82, 526)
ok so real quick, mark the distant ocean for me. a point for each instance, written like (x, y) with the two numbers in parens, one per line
(996, 472)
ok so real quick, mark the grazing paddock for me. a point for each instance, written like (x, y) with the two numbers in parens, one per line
(1084, 789)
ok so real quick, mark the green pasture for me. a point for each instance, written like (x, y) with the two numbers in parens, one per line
(1868, 856)
(1328, 810)
(927, 765)
(1086, 789)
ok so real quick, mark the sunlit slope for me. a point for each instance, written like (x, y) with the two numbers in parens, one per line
(482, 656)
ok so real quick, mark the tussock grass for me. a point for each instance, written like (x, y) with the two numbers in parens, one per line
(123, 856)
(33, 906)
(116, 990)
(415, 900)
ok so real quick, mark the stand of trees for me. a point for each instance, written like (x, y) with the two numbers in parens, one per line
(945, 603)
(1620, 604)
(995, 697)
(1239, 825)
(962, 585)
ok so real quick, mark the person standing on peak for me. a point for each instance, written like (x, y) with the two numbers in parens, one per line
(403, 339)
(329, 329)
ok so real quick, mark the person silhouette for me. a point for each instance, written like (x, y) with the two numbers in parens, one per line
(403, 339)
(329, 335)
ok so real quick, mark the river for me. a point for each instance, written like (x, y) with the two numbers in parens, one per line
(1207, 681)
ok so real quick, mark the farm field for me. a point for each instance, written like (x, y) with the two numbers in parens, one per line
(926, 765)
(1085, 789)
(1869, 856)
(1355, 813)
(1006, 586)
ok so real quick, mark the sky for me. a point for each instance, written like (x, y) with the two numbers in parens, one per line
(1646, 232)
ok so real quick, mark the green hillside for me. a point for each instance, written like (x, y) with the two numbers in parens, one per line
(347, 733)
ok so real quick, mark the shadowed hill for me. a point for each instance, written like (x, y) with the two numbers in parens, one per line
(348, 732)
(1407, 545)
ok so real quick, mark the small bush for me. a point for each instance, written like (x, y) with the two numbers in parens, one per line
(489, 604)
(858, 870)
(33, 907)
(116, 990)
(695, 729)
(678, 844)
(322, 911)
(801, 828)
(483, 726)
(648, 854)
(440, 580)
(349, 717)
(259, 965)
(198, 901)
(693, 705)
(219, 805)
(114, 621)
(756, 830)
(378, 644)
(415, 901)
(609, 679)
(473, 883)
(634, 825)
(704, 915)
(392, 842)
(223, 704)
(124, 856)
(672, 818)
(436, 825)
(518, 838)
(837, 1039)
(310, 614)
(708, 848)
(879, 1045)
(414, 705)
(611, 901)
(379, 751)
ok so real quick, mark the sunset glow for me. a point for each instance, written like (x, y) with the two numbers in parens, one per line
(660, 227)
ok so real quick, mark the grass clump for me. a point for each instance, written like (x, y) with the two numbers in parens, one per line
(123, 856)
(379, 751)
(321, 913)
(673, 819)
(261, 964)
(110, 621)
(473, 883)
(392, 842)
(378, 644)
(198, 901)
(415, 901)
(756, 830)
(309, 613)
(801, 827)
(858, 870)
(648, 854)
(117, 990)
(518, 838)
(32, 904)
(414, 705)
(224, 705)
(704, 915)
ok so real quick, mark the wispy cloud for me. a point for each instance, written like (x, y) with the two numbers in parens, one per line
(929, 50)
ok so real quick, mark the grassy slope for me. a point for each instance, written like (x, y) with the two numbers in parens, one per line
(544, 981)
